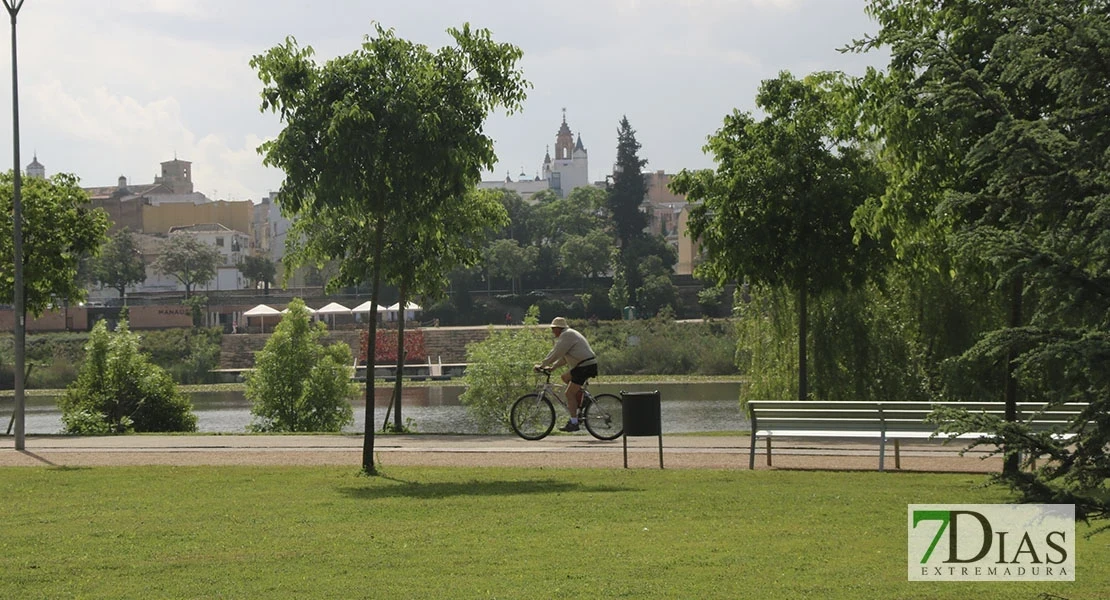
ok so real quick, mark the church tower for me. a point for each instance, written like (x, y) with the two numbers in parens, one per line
(177, 175)
(35, 169)
(570, 167)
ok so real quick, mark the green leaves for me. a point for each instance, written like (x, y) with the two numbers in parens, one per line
(993, 120)
(188, 260)
(120, 263)
(298, 384)
(118, 390)
(59, 229)
(500, 370)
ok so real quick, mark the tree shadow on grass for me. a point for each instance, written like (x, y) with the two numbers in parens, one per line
(411, 489)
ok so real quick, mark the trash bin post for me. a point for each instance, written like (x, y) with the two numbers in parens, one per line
(642, 415)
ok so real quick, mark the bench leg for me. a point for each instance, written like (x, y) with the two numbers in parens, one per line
(897, 455)
(882, 453)
(751, 454)
(768, 451)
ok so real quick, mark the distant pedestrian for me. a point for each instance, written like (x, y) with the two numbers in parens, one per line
(508, 318)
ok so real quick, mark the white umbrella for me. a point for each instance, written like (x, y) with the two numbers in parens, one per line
(410, 309)
(262, 311)
(333, 308)
(366, 307)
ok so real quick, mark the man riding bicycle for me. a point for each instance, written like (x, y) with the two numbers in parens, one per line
(571, 349)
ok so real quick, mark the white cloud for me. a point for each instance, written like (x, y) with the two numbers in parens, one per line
(111, 88)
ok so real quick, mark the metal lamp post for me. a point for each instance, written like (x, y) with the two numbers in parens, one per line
(13, 7)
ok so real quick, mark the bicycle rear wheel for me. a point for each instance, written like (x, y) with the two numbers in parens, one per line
(603, 416)
(532, 417)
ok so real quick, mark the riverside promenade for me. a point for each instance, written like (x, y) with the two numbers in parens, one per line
(557, 451)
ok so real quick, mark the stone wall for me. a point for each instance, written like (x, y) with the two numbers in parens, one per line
(445, 345)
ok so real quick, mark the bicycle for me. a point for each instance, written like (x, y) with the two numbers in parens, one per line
(532, 416)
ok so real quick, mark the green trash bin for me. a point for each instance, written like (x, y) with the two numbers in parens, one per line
(643, 416)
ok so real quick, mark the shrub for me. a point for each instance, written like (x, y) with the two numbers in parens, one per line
(118, 390)
(661, 346)
(189, 355)
(500, 370)
(298, 384)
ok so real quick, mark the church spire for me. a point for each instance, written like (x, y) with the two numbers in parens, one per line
(564, 140)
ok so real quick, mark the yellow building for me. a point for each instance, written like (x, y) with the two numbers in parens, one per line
(235, 215)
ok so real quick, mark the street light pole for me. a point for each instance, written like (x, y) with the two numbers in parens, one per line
(13, 7)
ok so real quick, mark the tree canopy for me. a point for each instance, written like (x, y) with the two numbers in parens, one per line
(388, 135)
(259, 269)
(778, 209)
(626, 194)
(995, 129)
(120, 263)
(59, 229)
(188, 260)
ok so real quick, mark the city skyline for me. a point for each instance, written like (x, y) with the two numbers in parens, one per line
(114, 89)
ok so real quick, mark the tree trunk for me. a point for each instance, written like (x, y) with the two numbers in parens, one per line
(371, 350)
(401, 354)
(1012, 465)
(803, 323)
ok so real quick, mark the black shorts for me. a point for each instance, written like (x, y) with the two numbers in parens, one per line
(580, 374)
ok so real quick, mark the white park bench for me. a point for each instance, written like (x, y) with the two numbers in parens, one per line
(885, 421)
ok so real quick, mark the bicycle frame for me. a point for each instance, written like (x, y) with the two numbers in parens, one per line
(559, 392)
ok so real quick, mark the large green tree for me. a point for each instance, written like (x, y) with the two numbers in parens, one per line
(1002, 107)
(391, 130)
(188, 260)
(778, 209)
(626, 195)
(506, 258)
(59, 229)
(120, 263)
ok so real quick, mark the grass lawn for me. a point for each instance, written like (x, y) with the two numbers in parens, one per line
(254, 532)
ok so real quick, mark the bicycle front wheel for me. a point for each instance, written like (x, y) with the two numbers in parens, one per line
(604, 418)
(532, 417)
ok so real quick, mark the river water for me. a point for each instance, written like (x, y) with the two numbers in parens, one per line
(686, 408)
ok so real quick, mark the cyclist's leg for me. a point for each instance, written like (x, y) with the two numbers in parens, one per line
(574, 396)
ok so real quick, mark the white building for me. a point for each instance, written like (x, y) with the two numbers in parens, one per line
(569, 169)
(232, 246)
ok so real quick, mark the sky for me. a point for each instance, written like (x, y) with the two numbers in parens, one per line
(115, 87)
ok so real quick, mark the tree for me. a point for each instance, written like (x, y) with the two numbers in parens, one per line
(118, 390)
(626, 195)
(259, 269)
(576, 215)
(778, 209)
(120, 263)
(657, 289)
(390, 130)
(188, 260)
(59, 229)
(586, 256)
(1006, 102)
(506, 258)
(298, 384)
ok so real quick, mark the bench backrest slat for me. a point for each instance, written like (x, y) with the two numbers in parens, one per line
(895, 416)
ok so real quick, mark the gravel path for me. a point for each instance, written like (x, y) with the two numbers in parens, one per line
(563, 451)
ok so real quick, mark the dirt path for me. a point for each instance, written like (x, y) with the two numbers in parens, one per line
(679, 452)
